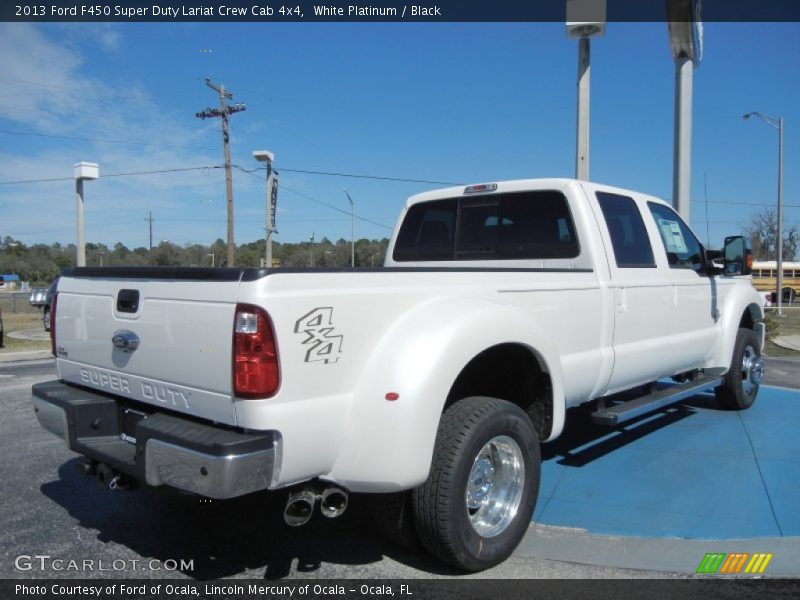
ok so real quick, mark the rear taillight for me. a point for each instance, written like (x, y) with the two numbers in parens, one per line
(256, 373)
(53, 302)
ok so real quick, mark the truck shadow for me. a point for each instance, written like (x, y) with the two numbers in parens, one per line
(226, 538)
(583, 441)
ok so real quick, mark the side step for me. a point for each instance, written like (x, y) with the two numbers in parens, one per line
(625, 411)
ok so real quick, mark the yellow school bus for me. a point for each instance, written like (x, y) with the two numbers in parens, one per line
(764, 278)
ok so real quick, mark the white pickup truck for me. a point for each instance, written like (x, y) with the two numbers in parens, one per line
(429, 383)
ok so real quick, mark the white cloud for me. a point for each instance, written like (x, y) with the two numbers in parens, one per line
(59, 95)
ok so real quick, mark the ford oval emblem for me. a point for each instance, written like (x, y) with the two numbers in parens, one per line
(125, 340)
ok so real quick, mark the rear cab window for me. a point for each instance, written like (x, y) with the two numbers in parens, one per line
(513, 225)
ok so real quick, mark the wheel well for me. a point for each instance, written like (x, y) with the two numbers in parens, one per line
(509, 372)
(750, 317)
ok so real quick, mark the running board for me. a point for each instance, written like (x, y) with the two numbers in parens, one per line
(625, 411)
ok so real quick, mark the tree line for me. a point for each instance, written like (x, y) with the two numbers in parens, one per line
(763, 233)
(39, 264)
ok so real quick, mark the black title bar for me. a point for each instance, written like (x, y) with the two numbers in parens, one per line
(354, 11)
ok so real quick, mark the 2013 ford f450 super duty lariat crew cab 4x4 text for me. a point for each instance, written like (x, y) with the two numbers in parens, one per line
(429, 383)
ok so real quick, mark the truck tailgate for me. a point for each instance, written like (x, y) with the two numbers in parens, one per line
(184, 334)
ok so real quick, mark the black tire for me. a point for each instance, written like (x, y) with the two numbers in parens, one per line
(46, 319)
(393, 516)
(472, 433)
(740, 385)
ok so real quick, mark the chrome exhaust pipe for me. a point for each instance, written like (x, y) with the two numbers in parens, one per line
(299, 507)
(333, 502)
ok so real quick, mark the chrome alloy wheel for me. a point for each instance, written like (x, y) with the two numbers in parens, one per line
(752, 370)
(494, 487)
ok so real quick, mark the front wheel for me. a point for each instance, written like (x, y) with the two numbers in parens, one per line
(480, 494)
(740, 384)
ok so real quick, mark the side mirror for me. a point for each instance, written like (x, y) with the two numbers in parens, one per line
(738, 256)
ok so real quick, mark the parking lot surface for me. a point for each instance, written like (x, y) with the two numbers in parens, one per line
(648, 500)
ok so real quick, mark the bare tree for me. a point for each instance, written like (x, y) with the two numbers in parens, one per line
(763, 233)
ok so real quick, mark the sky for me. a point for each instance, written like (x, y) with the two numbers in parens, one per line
(437, 102)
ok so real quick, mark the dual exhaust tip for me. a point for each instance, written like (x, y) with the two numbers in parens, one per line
(300, 505)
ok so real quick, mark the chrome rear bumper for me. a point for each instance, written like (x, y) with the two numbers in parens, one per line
(160, 449)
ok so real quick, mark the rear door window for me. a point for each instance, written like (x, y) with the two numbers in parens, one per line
(626, 228)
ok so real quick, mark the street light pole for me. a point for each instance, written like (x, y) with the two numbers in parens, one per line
(352, 231)
(269, 227)
(777, 123)
(585, 19)
(83, 170)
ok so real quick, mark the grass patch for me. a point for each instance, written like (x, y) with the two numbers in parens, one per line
(788, 324)
(18, 322)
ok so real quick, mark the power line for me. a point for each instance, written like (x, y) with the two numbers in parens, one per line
(378, 177)
(307, 197)
(336, 208)
(115, 174)
(56, 87)
(305, 171)
(83, 139)
(747, 203)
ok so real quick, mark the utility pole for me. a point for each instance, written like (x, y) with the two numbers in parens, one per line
(149, 220)
(224, 112)
(311, 252)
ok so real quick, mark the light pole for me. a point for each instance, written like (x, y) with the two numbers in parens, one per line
(83, 170)
(686, 43)
(777, 123)
(268, 157)
(585, 19)
(352, 231)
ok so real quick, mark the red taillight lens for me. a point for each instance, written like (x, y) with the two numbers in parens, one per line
(53, 302)
(255, 355)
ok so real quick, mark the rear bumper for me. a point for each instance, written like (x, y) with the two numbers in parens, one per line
(217, 462)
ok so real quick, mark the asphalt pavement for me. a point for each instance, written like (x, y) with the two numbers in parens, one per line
(48, 508)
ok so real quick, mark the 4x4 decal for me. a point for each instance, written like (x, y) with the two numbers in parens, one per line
(318, 328)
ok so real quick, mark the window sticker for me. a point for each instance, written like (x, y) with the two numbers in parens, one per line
(673, 237)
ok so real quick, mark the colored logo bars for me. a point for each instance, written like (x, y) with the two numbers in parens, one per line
(734, 564)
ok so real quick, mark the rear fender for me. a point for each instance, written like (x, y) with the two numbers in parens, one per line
(389, 444)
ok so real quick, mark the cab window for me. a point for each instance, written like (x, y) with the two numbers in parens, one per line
(514, 225)
(626, 228)
(683, 249)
